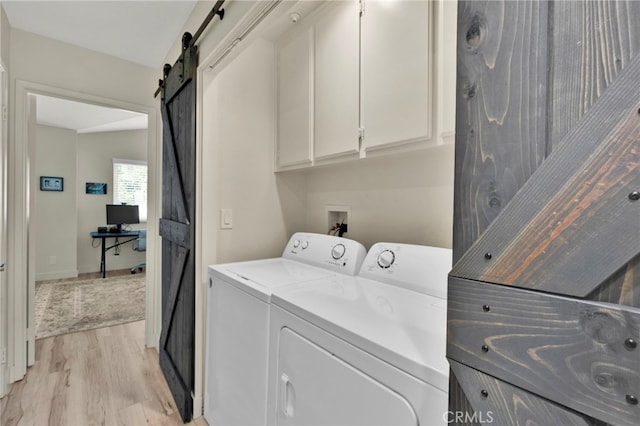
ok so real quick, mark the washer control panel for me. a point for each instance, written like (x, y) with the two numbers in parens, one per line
(334, 253)
(419, 268)
(386, 258)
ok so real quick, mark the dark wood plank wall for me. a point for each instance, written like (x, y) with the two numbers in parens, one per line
(527, 74)
(572, 224)
(574, 353)
(500, 141)
(501, 109)
(592, 42)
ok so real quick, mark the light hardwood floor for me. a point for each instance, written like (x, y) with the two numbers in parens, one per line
(97, 377)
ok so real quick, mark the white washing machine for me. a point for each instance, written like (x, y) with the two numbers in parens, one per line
(236, 359)
(364, 350)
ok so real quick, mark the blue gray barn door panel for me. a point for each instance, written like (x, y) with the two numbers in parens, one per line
(177, 229)
(547, 167)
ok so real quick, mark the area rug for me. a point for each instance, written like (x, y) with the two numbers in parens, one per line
(77, 305)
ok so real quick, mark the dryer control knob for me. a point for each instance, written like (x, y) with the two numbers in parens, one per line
(305, 244)
(338, 251)
(296, 243)
(386, 259)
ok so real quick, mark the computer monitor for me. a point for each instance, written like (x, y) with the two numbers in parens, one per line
(122, 214)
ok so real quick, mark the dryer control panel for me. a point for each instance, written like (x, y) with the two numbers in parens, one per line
(334, 253)
(418, 268)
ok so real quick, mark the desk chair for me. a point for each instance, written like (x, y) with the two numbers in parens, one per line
(140, 245)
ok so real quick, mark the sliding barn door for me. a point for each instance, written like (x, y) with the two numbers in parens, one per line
(544, 296)
(177, 229)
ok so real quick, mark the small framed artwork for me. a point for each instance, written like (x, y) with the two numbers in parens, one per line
(51, 183)
(95, 188)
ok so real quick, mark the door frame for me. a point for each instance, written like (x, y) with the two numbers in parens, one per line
(20, 297)
(4, 161)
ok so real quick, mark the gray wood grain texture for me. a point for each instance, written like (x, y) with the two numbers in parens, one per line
(177, 228)
(569, 351)
(182, 73)
(175, 232)
(623, 287)
(497, 402)
(589, 43)
(501, 109)
(592, 41)
(573, 224)
(500, 117)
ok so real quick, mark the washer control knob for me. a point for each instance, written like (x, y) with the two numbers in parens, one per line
(296, 243)
(386, 259)
(305, 244)
(338, 251)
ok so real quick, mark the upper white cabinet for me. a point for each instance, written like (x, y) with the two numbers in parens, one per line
(295, 100)
(337, 75)
(396, 73)
(358, 78)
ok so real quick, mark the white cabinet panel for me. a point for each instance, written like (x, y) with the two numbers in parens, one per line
(295, 100)
(396, 89)
(337, 71)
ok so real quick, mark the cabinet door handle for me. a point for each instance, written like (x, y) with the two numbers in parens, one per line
(287, 396)
(2, 267)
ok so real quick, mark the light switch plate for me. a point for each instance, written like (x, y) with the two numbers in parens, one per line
(226, 218)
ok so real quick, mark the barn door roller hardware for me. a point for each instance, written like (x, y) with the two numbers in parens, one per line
(188, 41)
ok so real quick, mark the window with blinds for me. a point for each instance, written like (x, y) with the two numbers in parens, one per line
(130, 184)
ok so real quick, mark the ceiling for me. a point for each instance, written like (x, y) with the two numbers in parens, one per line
(136, 31)
(86, 118)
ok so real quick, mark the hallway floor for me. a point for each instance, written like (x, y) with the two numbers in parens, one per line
(97, 377)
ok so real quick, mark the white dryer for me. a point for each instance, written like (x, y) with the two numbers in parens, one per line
(364, 350)
(236, 359)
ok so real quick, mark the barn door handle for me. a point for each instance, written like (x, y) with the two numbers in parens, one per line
(287, 396)
(2, 267)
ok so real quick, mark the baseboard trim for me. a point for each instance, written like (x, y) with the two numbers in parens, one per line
(58, 275)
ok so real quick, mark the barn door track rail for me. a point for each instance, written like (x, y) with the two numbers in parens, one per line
(188, 43)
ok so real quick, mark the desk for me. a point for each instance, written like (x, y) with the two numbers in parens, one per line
(129, 235)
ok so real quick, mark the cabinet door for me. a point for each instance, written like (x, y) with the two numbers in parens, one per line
(337, 33)
(295, 100)
(315, 387)
(396, 93)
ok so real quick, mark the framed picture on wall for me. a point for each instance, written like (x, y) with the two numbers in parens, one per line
(51, 183)
(95, 188)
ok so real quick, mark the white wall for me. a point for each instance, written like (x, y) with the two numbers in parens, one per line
(405, 198)
(239, 155)
(45, 66)
(55, 227)
(64, 219)
(236, 163)
(46, 61)
(5, 34)
(95, 154)
(5, 37)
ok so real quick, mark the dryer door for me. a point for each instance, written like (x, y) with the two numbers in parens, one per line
(317, 388)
